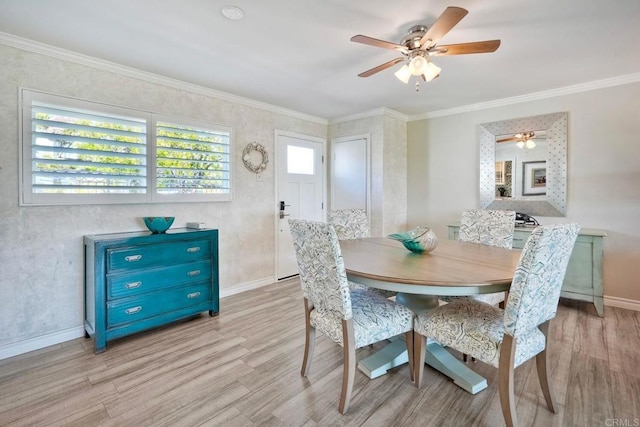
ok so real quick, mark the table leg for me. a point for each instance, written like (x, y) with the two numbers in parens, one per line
(395, 353)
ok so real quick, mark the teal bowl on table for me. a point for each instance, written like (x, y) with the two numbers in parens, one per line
(158, 224)
(418, 240)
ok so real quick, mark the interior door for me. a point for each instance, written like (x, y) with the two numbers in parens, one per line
(300, 192)
(350, 173)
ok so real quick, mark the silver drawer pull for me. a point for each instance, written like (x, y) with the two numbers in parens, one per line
(193, 249)
(193, 295)
(193, 273)
(133, 310)
(133, 258)
(133, 285)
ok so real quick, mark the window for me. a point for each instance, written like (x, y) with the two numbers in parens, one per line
(299, 160)
(80, 152)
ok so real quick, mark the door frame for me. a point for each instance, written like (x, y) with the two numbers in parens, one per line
(367, 138)
(276, 202)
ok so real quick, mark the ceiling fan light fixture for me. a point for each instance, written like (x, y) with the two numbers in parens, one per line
(431, 71)
(530, 144)
(418, 65)
(520, 144)
(403, 74)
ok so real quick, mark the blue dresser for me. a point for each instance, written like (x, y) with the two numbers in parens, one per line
(137, 281)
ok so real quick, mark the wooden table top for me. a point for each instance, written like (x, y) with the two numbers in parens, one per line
(453, 268)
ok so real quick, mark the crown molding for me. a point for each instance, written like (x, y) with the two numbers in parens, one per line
(89, 61)
(371, 113)
(567, 90)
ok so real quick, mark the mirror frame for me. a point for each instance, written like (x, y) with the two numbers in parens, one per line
(556, 126)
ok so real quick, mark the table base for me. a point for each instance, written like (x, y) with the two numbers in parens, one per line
(395, 354)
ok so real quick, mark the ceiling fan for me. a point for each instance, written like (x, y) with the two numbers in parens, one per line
(421, 43)
(525, 139)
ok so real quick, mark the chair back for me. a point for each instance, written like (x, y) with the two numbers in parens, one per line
(489, 227)
(322, 274)
(350, 223)
(535, 290)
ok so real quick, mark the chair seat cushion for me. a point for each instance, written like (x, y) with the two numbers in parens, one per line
(477, 329)
(375, 318)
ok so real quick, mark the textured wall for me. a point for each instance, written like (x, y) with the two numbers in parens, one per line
(603, 188)
(388, 168)
(41, 258)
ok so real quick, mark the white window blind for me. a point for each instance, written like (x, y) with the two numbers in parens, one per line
(81, 152)
(192, 160)
(74, 152)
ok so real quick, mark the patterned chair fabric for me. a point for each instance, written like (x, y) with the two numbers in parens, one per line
(476, 328)
(350, 223)
(481, 330)
(335, 308)
(488, 227)
(354, 224)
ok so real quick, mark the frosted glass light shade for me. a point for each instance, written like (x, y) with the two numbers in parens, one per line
(431, 71)
(418, 65)
(530, 143)
(520, 144)
(403, 74)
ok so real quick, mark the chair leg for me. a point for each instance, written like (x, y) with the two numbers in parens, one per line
(542, 363)
(419, 348)
(505, 380)
(310, 339)
(409, 339)
(349, 369)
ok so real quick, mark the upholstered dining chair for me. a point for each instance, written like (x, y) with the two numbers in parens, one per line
(350, 223)
(507, 338)
(491, 228)
(354, 224)
(352, 318)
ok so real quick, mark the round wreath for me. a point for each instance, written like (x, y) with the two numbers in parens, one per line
(246, 157)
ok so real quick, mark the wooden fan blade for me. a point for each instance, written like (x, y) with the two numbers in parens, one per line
(380, 67)
(513, 138)
(378, 43)
(445, 22)
(465, 48)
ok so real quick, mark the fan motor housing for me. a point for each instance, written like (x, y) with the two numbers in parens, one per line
(413, 37)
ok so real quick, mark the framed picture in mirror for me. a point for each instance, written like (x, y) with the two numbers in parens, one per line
(534, 178)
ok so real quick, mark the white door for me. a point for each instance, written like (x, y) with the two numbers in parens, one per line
(300, 192)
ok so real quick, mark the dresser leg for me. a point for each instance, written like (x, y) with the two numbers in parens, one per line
(213, 313)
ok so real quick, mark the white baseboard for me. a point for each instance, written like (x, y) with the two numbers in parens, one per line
(36, 343)
(629, 304)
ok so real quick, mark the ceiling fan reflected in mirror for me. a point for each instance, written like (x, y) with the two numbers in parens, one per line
(421, 43)
(525, 139)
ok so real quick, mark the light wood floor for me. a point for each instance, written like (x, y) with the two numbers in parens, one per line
(242, 368)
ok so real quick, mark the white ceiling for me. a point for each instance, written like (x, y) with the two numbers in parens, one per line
(296, 54)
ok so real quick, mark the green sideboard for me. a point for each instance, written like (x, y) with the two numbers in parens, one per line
(137, 281)
(583, 280)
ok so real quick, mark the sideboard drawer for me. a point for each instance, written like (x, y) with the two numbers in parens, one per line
(159, 254)
(130, 283)
(129, 310)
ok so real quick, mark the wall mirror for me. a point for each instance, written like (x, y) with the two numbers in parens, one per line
(523, 164)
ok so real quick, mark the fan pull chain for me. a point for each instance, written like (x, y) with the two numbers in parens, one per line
(417, 85)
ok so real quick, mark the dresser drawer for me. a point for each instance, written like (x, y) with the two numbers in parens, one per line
(129, 310)
(131, 283)
(150, 255)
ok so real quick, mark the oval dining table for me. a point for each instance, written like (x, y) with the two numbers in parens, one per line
(454, 268)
